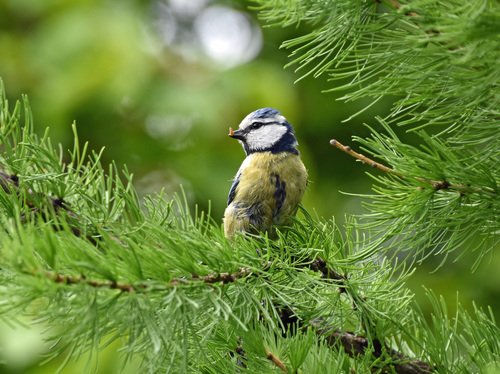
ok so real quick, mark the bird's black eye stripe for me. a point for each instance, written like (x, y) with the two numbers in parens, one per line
(255, 125)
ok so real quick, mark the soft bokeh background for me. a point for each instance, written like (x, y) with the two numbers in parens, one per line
(158, 83)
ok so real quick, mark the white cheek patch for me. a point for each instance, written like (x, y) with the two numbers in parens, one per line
(265, 137)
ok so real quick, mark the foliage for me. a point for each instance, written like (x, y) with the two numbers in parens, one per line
(86, 257)
(82, 254)
(439, 61)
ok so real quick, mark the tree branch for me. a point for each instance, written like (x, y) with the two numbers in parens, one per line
(327, 272)
(365, 160)
(212, 278)
(355, 345)
(223, 277)
(10, 184)
(435, 184)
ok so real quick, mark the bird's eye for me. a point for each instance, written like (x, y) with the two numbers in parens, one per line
(256, 125)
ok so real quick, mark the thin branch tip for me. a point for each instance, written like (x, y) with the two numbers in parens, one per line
(365, 160)
(437, 185)
(276, 361)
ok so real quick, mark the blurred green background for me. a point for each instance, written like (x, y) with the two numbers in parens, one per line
(158, 83)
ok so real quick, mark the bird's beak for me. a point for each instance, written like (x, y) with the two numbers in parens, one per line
(235, 134)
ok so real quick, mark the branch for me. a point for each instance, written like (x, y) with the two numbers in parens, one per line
(355, 345)
(70, 279)
(10, 184)
(222, 277)
(327, 272)
(212, 278)
(436, 184)
(276, 361)
(363, 158)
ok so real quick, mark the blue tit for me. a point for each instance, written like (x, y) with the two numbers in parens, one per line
(271, 180)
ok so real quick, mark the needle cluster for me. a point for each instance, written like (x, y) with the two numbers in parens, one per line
(84, 256)
(439, 190)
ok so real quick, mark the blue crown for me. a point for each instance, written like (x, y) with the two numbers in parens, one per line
(265, 113)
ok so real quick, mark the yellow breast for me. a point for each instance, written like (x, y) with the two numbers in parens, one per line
(269, 190)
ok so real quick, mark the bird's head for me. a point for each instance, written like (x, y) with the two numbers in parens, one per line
(265, 130)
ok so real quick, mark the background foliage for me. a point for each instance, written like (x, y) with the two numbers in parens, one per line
(161, 103)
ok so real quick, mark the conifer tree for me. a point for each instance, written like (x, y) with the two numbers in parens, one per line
(81, 253)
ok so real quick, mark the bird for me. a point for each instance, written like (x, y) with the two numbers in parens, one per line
(271, 180)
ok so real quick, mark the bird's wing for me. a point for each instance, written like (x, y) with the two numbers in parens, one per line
(279, 195)
(232, 191)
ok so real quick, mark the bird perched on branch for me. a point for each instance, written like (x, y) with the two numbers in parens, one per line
(271, 180)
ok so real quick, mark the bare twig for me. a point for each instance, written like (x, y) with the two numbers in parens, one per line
(435, 184)
(365, 160)
(276, 361)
